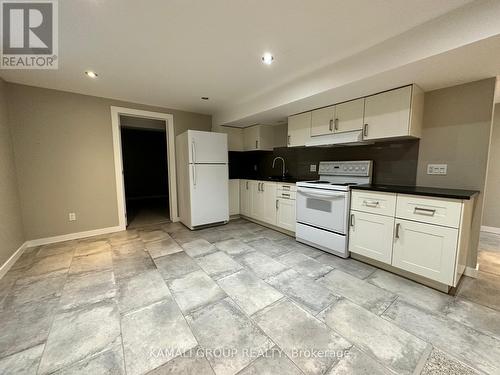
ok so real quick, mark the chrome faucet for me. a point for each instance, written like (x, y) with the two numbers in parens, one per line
(283, 161)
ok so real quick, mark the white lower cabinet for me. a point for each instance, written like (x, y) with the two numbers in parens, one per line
(261, 200)
(285, 214)
(426, 236)
(371, 235)
(268, 197)
(245, 197)
(426, 250)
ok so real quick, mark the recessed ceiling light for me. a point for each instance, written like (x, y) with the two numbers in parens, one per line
(204, 98)
(91, 74)
(267, 58)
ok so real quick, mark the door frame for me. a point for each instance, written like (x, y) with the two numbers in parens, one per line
(117, 151)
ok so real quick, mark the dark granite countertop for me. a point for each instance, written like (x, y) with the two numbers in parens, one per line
(421, 190)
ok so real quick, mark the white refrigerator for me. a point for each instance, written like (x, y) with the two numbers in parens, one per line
(203, 178)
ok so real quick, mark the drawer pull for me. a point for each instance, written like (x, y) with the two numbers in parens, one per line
(352, 220)
(277, 203)
(285, 187)
(373, 204)
(424, 211)
(287, 195)
(398, 225)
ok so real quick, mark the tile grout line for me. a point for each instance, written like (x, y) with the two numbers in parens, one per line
(55, 312)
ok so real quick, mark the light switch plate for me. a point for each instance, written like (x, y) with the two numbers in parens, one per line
(437, 169)
(72, 216)
(312, 168)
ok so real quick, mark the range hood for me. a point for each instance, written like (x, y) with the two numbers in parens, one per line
(347, 138)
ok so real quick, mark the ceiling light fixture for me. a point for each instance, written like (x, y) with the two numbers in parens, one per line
(91, 74)
(267, 58)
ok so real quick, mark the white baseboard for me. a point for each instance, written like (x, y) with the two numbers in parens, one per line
(73, 236)
(490, 229)
(471, 272)
(4, 268)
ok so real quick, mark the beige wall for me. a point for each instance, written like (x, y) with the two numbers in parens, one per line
(457, 123)
(11, 226)
(64, 157)
(491, 214)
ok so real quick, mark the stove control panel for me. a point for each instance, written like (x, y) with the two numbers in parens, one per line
(346, 168)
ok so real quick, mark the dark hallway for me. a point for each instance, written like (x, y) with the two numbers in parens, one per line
(145, 175)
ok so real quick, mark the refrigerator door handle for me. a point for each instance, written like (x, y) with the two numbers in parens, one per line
(193, 151)
(194, 174)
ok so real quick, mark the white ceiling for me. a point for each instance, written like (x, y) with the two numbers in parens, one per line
(171, 52)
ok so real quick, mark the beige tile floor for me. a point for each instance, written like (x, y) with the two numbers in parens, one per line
(237, 299)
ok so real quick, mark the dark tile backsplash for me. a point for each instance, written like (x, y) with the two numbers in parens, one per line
(394, 163)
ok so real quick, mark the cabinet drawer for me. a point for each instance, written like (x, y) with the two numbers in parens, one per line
(286, 187)
(374, 202)
(285, 194)
(439, 211)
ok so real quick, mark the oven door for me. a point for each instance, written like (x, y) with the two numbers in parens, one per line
(322, 208)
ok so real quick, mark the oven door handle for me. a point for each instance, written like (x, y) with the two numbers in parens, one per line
(316, 195)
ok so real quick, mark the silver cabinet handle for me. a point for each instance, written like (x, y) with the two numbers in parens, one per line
(365, 130)
(262, 187)
(194, 175)
(336, 122)
(331, 125)
(285, 187)
(373, 204)
(256, 144)
(424, 211)
(247, 185)
(352, 220)
(398, 225)
(193, 151)
(285, 195)
(277, 204)
(289, 137)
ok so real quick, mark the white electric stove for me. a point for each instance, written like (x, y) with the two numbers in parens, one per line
(323, 205)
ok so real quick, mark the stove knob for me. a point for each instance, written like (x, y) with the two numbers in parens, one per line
(345, 168)
(363, 168)
(357, 168)
(350, 168)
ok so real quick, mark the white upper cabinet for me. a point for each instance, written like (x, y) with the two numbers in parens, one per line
(322, 121)
(396, 113)
(299, 129)
(258, 137)
(349, 116)
(393, 114)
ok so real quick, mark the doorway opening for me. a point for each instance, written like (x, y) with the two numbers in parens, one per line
(145, 170)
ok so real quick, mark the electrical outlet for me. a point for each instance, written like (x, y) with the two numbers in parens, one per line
(437, 169)
(72, 216)
(312, 168)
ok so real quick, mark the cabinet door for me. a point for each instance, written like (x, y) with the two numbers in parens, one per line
(371, 235)
(426, 250)
(234, 197)
(299, 129)
(322, 121)
(256, 200)
(251, 138)
(286, 214)
(268, 195)
(349, 116)
(245, 197)
(387, 114)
